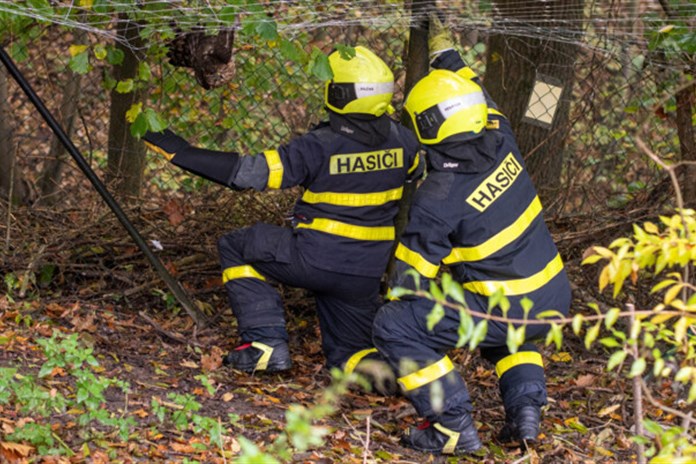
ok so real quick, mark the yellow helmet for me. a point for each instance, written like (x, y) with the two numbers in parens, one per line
(362, 84)
(444, 104)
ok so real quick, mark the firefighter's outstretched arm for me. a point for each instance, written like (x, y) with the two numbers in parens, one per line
(225, 168)
(443, 55)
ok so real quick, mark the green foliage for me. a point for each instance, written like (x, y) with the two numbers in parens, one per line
(659, 336)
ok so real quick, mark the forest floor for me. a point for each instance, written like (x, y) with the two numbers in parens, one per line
(100, 288)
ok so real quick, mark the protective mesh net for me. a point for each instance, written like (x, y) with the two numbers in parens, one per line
(579, 80)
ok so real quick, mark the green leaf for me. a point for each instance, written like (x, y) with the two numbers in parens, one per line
(291, 51)
(346, 52)
(434, 316)
(549, 313)
(616, 359)
(466, 328)
(139, 126)
(125, 86)
(637, 368)
(527, 305)
(591, 259)
(479, 334)
(134, 111)
(591, 335)
(99, 51)
(319, 65)
(609, 342)
(154, 121)
(80, 63)
(267, 29)
(436, 292)
(228, 14)
(144, 72)
(577, 323)
(611, 317)
(115, 56)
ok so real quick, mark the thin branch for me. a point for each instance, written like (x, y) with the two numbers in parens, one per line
(560, 320)
(637, 392)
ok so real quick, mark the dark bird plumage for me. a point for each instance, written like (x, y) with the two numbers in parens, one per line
(210, 56)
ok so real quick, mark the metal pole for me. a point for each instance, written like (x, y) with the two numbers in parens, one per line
(172, 283)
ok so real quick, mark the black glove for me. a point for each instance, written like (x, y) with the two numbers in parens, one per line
(166, 143)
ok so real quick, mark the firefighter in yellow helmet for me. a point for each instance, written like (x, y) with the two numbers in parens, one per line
(478, 213)
(353, 168)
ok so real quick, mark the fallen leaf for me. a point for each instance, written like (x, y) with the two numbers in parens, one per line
(213, 360)
(14, 451)
(561, 357)
(608, 410)
(585, 380)
(189, 363)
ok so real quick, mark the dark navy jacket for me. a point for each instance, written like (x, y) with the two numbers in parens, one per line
(344, 220)
(486, 223)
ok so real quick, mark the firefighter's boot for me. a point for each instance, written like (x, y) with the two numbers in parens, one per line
(453, 435)
(521, 424)
(260, 356)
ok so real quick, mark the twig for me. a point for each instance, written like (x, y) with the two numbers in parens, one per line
(171, 336)
(366, 451)
(637, 392)
(522, 459)
(9, 206)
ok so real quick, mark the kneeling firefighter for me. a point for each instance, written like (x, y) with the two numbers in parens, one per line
(353, 169)
(478, 212)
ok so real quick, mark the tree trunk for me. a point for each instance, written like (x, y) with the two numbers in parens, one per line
(126, 155)
(531, 79)
(687, 143)
(50, 176)
(10, 174)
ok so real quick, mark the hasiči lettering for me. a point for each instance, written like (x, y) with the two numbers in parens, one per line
(494, 185)
(365, 162)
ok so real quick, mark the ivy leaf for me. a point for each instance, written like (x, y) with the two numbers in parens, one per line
(100, 51)
(79, 63)
(267, 29)
(115, 56)
(345, 51)
(139, 126)
(76, 49)
(291, 51)
(125, 86)
(319, 65)
(133, 112)
(154, 121)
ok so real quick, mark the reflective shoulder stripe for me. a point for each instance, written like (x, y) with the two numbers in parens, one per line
(275, 169)
(452, 438)
(467, 73)
(353, 199)
(516, 359)
(267, 351)
(160, 151)
(416, 162)
(240, 272)
(499, 240)
(416, 261)
(518, 286)
(494, 111)
(427, 374)
(354, 360)
(343, 229)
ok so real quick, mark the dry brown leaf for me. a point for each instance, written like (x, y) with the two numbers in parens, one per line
(213, 360)
(189, 363)
(16, 449)
(585, 380)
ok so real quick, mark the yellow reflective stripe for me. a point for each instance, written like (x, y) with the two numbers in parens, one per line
(518, 286)
(494, 111)
(416, 261)
(240, 272)
(499, 240)
(516, 359)
(275, 169)
(354, 360)
(453, 438)
(416, 162)
(159, 150)
(343, 229)
(467, 73)
(353, 199)
(265, 356)
(427, 374)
